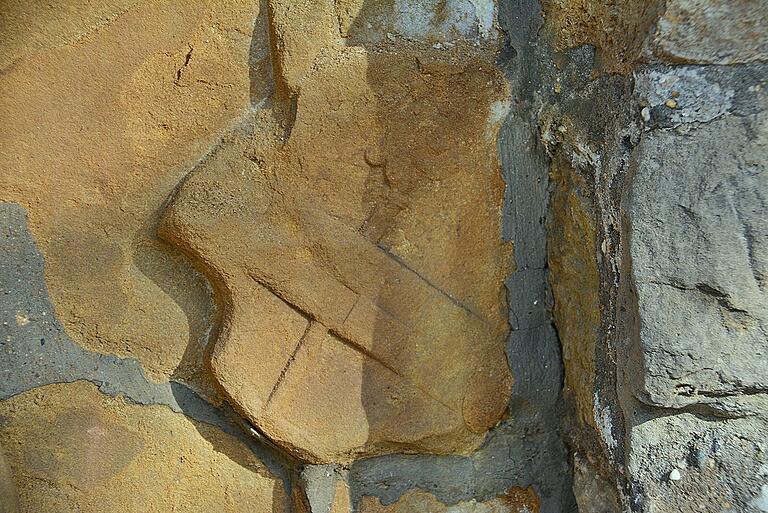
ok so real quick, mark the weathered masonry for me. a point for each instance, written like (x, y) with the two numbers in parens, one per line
(384, 256)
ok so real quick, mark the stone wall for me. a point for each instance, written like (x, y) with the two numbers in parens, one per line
(380, 256)
(666, 162)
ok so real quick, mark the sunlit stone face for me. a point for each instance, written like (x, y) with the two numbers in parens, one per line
(352, 231)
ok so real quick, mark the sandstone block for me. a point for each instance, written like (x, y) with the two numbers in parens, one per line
(359, 261)
(74, 449)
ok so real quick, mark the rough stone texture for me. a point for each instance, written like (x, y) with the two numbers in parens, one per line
(700, 344)
(711, 32)
(435, 21)
(616, 28)
(582, 124)
(361, 267)
(31, 27)
(160, 86)
(669, 163)
(533, 346)
(593, 493)
(91, 453)
(698, 93)
(107, 105)
(9, 502)
(334, 235)
(701, 274)
(514, 501)
(35, 351)
(576, 283)
(722, 463)
(326, 489)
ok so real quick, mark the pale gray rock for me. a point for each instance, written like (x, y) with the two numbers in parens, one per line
(441, 22)
(697, 228)
(673, 96)
(699, 247)
(694, 97)
(711, 32)
(729, 480)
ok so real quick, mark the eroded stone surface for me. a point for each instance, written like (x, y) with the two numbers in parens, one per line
(711, 32)
(35, 26)
(434, 21)
(107, 105)
(309, 217)
(721, 464)
(701, 272)
(8, 496)
(35, 351)
(660, 306)
(516, 500)
(74, 449)
(617, 29)
(575, 284)
(697, 233)
(359, 259)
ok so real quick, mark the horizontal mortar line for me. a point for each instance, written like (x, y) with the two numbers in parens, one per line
(151, 399)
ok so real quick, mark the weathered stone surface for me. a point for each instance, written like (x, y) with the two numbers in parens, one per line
(672, 321)
(594, 493)
(35, 26)
(516, 500)
(722, 465)
(699, 263)
(692, 97)
(501, 464)
(74, 449)
(679, 95)
(35, 351)
(326, 489)
(617, 29)
(346, 206)
(360, 261)
(8, 497)
(180, 74)
(533, 345)
(711, 32)
(697, 241)
(575, 285)
(106, 106)
(434, 21)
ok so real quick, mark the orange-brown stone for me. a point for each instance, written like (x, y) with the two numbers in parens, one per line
(352, 231)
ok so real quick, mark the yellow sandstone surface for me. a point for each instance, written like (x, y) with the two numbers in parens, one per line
(73, 449)
(263, 197)
(351, 229)
(105, 106)
(575, 282)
